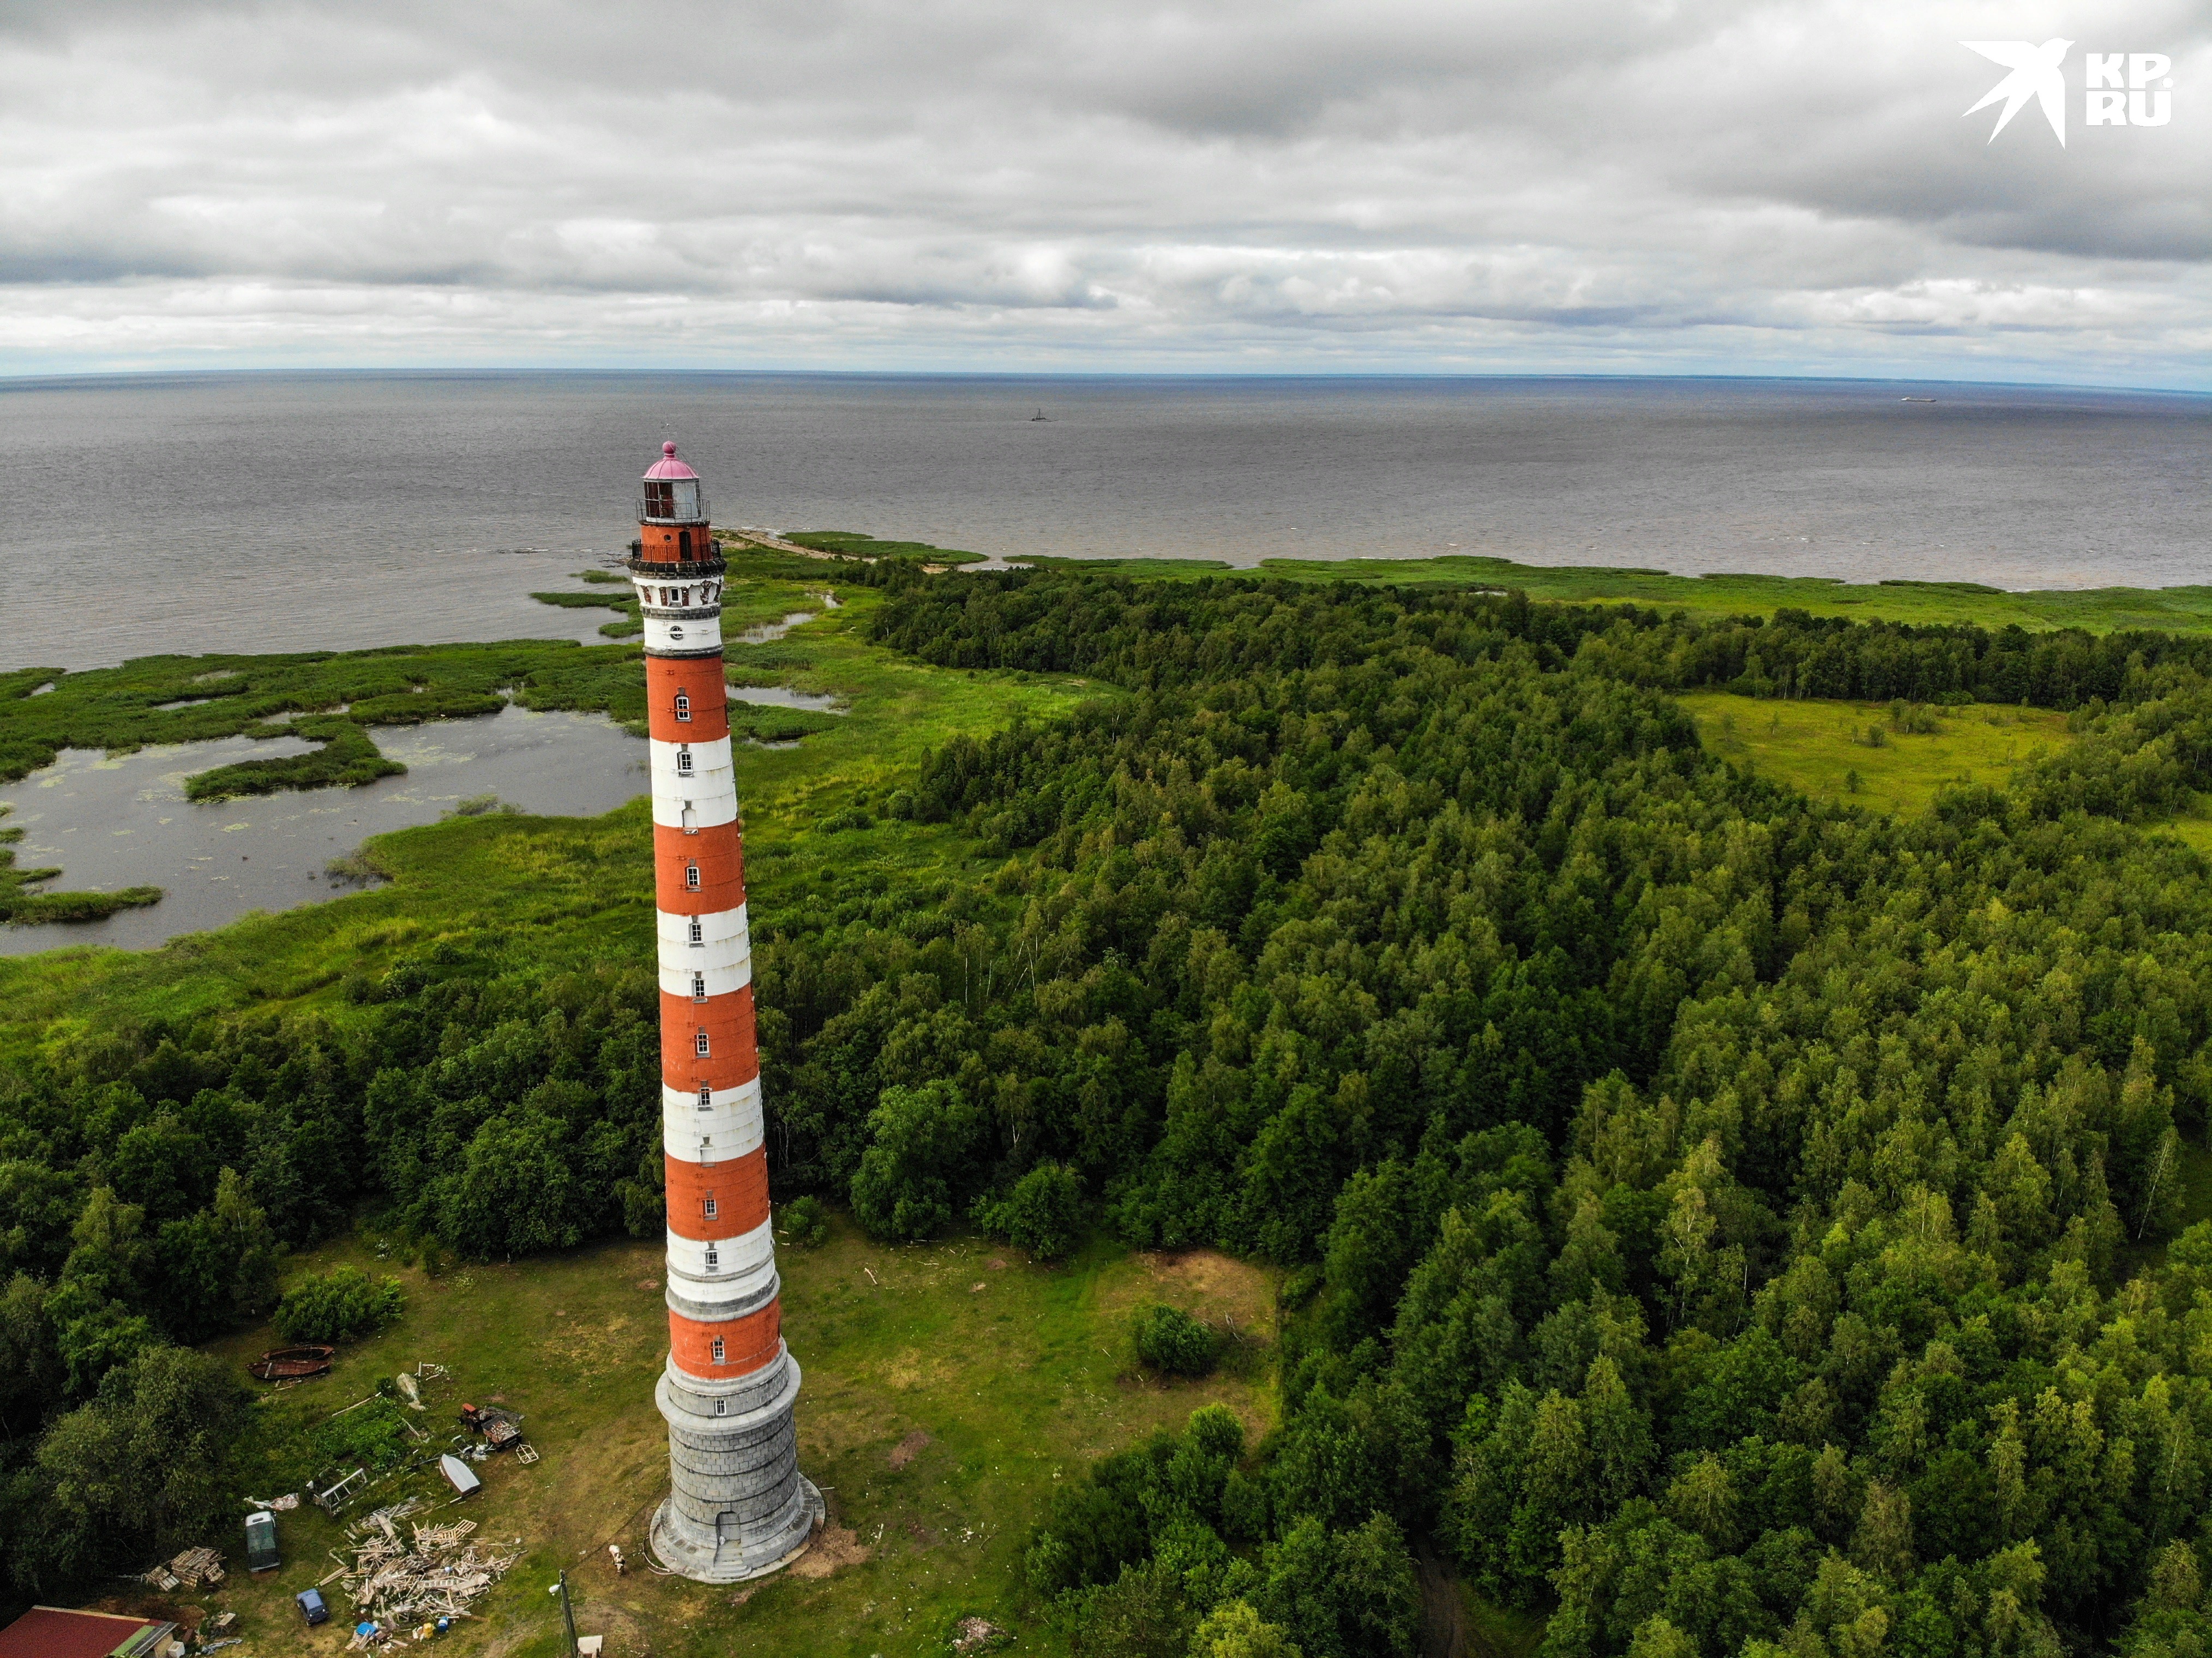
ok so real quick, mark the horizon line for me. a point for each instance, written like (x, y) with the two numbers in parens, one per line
(10, 381)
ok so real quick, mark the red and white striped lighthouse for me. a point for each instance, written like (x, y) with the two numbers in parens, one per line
(739, 1507)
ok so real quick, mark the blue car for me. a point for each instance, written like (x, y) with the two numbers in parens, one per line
(311, 1607)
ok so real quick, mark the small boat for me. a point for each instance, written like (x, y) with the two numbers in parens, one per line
(1040, 415)
(292, 1363)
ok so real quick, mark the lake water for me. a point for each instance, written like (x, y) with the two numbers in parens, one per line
(112, 824)
(296, 512)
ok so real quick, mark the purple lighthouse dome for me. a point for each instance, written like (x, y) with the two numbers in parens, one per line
(668, 466)
(672, 492)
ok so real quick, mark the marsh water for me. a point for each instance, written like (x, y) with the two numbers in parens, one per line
(783, 697)
(125, 822)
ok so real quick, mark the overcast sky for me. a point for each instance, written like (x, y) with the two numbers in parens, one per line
(1731, 185)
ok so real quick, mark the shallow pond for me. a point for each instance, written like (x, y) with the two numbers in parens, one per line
(121, 822)
(783, 697)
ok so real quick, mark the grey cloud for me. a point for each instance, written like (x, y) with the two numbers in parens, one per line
(1784, 183)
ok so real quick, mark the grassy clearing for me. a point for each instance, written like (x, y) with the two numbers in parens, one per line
(1821, 747)
(948, 1387)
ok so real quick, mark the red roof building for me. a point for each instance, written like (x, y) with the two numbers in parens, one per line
(52, 1632)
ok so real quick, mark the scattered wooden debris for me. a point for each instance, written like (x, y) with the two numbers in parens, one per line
(198, 1567)
(435, 1571)
(525, 1453)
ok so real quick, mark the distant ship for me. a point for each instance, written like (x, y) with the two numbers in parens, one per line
(1916, 399)
(1040, 415)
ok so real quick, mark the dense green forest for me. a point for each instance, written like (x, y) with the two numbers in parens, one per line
(1722, 1222)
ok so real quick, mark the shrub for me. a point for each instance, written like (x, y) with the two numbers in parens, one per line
(1043, 1214)
(1171, 1341)
(926, 1140)
(344, 1304)
(806, 1223)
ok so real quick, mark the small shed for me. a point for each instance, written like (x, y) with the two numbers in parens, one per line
(461, 1477)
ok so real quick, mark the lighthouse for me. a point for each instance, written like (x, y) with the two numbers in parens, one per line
(739, 1507)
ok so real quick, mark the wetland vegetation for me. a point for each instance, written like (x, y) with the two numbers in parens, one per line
(1654, 1198)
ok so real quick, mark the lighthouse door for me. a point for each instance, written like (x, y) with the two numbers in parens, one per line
(727, 1533)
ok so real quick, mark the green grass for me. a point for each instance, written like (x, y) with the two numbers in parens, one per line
(852, 544)
(1496, 1632)
(347, 758)
(568, 601)
(1816, 746)
(1018, 1375)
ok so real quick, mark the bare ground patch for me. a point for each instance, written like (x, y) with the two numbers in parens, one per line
(1205, 1283)
(834, 1546)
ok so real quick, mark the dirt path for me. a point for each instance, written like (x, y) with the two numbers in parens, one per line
(1444, 1632)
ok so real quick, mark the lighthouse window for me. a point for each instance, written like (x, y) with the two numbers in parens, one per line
(718, 1350)
(714, 1257)
(721, 1408)
(702, 1044)
(698, 927)
(683, 761)
(683, 706)
(659, 499)
(698, 987)
(710, 1205)
(691, 880)
(706, 1096)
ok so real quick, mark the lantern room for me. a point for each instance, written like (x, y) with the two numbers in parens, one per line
(671, 493)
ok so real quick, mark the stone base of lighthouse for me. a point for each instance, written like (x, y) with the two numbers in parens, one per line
(739, 1508)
